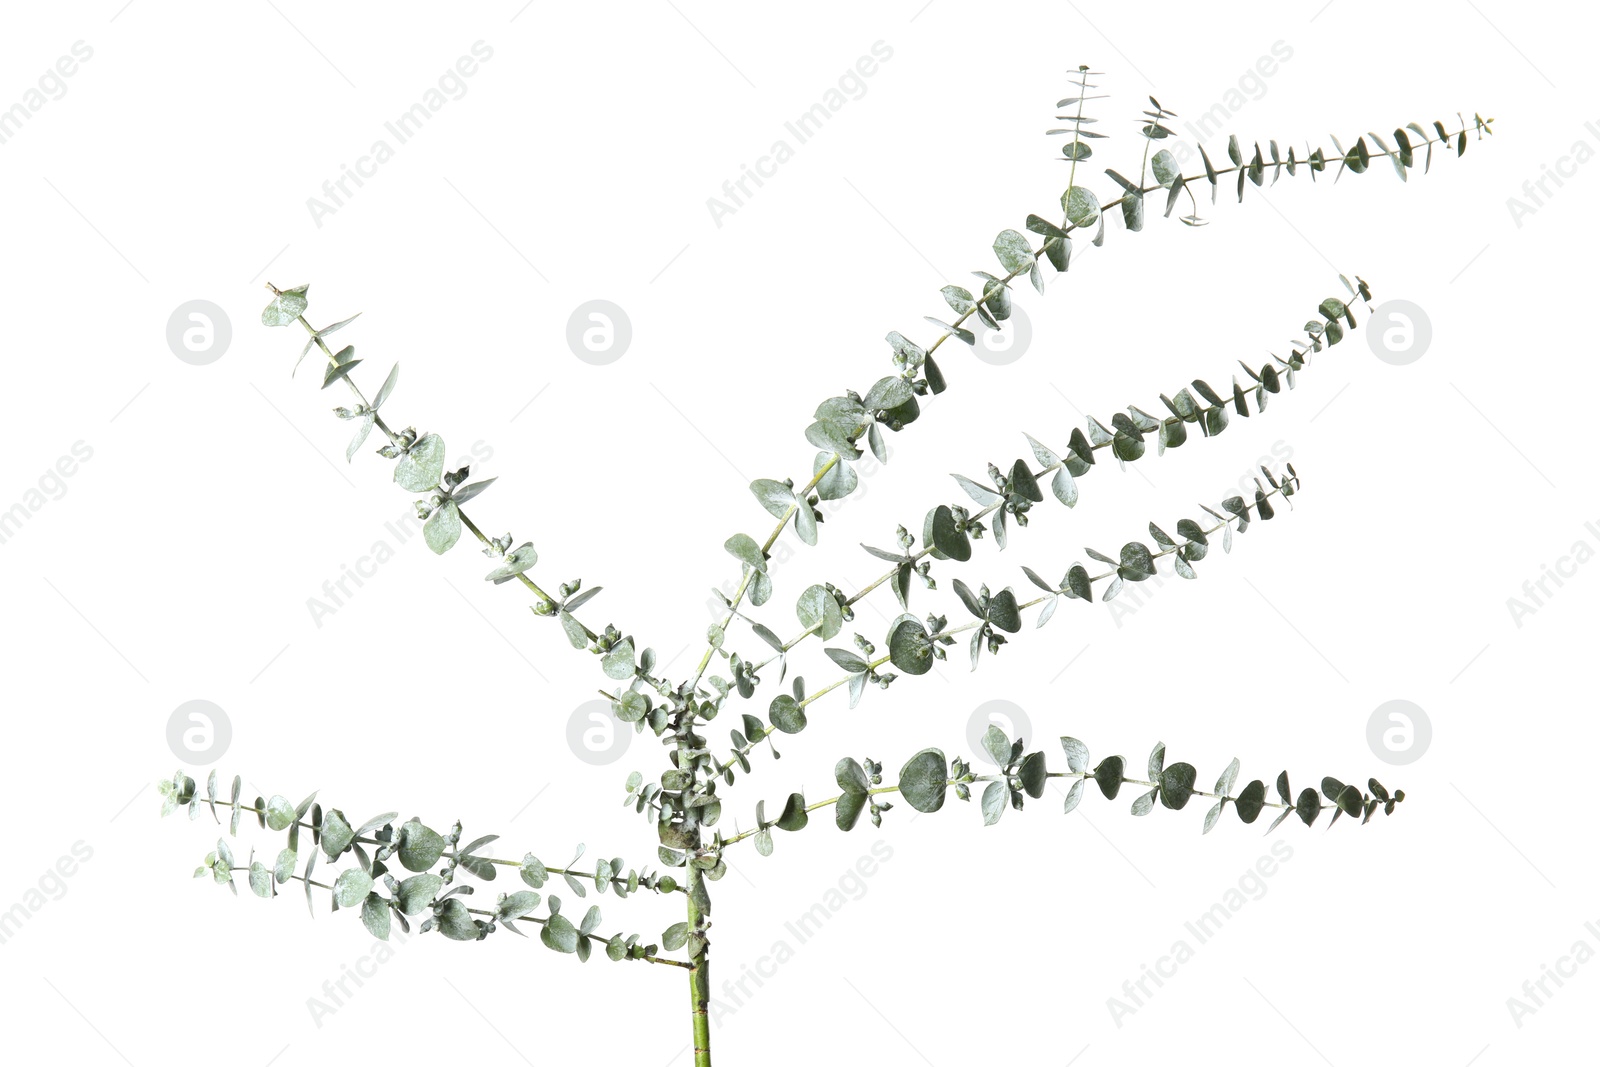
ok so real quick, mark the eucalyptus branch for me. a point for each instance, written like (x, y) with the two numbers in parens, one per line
(914, 644)
(418, 849)
(842, 423)
(683, 804)
(926, 778)
(420, 468)
(947, 529)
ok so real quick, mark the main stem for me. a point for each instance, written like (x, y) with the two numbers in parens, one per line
(699, 975)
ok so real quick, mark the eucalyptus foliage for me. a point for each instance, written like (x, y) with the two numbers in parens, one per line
(393, 871)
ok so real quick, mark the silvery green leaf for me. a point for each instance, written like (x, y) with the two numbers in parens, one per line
(443, 528)
(337, 834)
(1133, 211)
(574, 630)
(768, 636)
(839, 482)
(591, 920)
(967, 597)
(805, 521)
(1145, 803)
(467, 492)
(910, 648)
(280, 813)
(1165, 168)
(516, 905)
(311, 863)
(1043, 454)
(375, 916)
(787, 714)
(1282, 815)
(1047, 612)
(618, 662)
(360, 436)
(345, 361)
(574, 603)
(533, 872)
(416, 893)
(776, 497)
(1065, 487)
(764, 842)
(336, 327)
(260, 879)
(1081, 205)
(516, 561)
(994, 802)
(1077, 753)
(420, 469)
(847, 659)
(351, 887)
(817, 609)
(907, 352)
(1212, 816)
(1013, 251)
(923, 780)
(960, 301)
(959, 332)
(828, 436)
(453, 921)
(283, 869)
(387, 387)
(420, 847)
(675, 936)
(1225, 783)
(1074, 795)
(977, 492)
(286, 307)
(743, 548)
(887, 393)
(1158, 758)
(1003, 611)
(997, 745)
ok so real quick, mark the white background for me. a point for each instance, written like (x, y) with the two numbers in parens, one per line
(178, 561)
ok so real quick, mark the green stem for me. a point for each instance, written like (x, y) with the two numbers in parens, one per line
(377, 421)
(699, 975)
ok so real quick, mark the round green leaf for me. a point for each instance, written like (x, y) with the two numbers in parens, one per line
(787, 714)
(910, 647)
(352, 887)
(923, 780)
